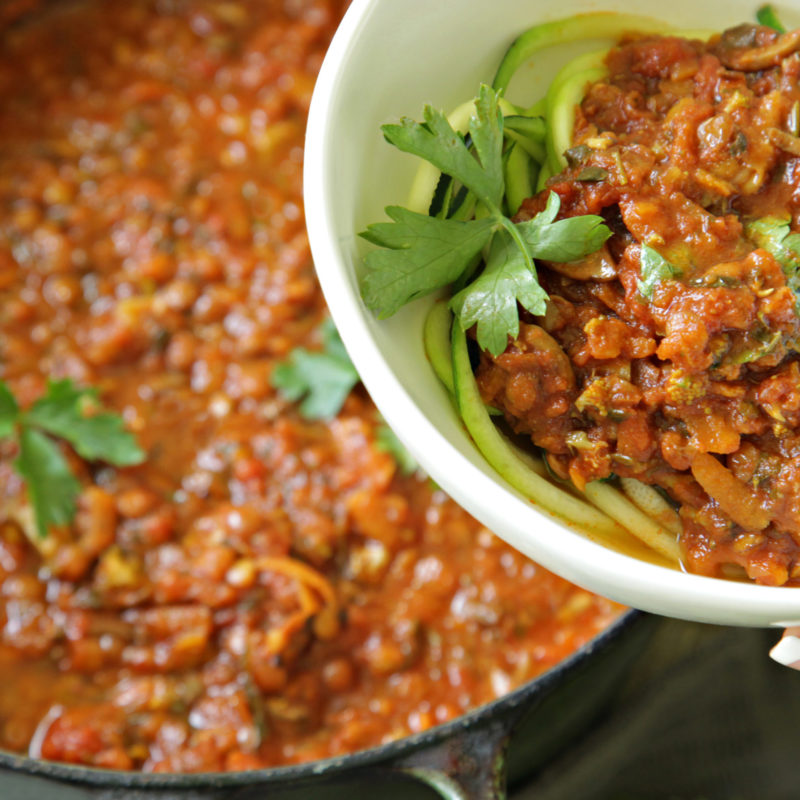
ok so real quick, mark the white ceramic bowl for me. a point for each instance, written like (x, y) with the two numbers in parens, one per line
(388, 59)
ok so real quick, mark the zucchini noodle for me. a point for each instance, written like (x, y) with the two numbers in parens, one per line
(500, 454)
(437, 344)
(563, 31)
(534, 134)
(545, 174)
(618, 507)
(561, 114)
(611, 514)
(565, 93)
(517, 170)
(652, 503)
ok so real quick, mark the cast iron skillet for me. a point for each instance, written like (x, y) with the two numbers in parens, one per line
(468, 758)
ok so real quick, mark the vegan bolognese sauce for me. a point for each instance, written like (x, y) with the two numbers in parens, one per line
(200, 568)
(670, 356)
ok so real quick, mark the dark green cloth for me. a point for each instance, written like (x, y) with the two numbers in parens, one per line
(706, 714)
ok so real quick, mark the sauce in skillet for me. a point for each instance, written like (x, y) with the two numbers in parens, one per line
(264, 589)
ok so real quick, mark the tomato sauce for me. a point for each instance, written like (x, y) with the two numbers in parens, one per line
(679, 366)
(264, 589)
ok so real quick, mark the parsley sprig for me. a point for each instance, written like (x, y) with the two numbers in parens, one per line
(76, 416)
(654, 269)
(320, 382)
(419, 254)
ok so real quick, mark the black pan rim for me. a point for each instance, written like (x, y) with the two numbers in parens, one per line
(373, 757)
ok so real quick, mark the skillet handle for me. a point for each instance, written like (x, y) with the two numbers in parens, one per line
(468, 765)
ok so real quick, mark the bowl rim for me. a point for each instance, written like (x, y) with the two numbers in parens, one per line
(654, 588)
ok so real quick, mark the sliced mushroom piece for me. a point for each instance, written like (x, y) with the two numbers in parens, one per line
(755, 58)
(599, 266)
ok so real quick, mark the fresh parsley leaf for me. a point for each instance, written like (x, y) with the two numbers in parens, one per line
(9, 411)
(654, 269)
(566, 240)
(550, 211)
(321, 379)
(418, 255)
(774, 234)
(490, 301)
(486, 130)
(437, 142)
(766, 16)
(387, 441)
(759, 351)
(61, 411)
(52, 488)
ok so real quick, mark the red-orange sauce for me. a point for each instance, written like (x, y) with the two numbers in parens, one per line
(264, 589)
(693, 385)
